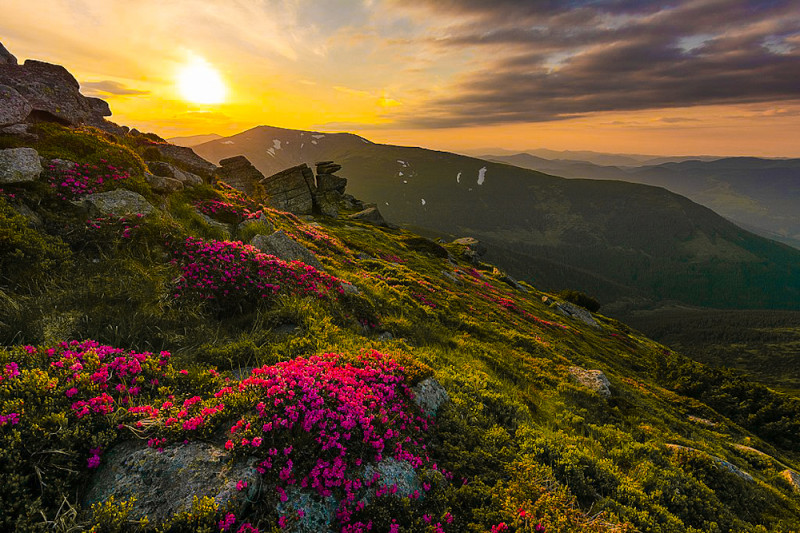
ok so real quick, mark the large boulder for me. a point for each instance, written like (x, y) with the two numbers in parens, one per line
(594, 380)
(291, 190)
(162, 184)
(120, 202)
(19, 165)
(240, 174)
(13, 107)
(370, 215)
(53, 94)
(576, 312)
(164, 483)
(284, 247)
(168, 170)
(6, 57)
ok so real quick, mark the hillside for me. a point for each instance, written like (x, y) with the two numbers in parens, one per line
(177, 356)
(628, 245)
(761, 195)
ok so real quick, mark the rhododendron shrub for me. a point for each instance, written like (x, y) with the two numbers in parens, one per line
(78, 180)
(230, 275)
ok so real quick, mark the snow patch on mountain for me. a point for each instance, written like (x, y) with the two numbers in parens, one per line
(481, 176)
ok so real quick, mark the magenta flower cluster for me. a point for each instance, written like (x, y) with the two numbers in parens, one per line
(82, 179)
(230, 272)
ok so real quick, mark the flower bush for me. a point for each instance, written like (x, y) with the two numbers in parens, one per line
(231, 275)
(81, 179)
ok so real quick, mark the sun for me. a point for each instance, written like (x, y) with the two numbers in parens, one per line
(201, 83)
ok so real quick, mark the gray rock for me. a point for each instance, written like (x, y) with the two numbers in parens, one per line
(284, 247)
(226, 229)
(187, 158)
(578, 313)
(370, 215)
(52, 93)
(513, 283)
(595, 380)
(34, 221)
(451, 276)
(6, 57)
(329, 182)
(429, 395)
(291, 190)
(162, 184)
(327, 167)
(385, 336)
(118, 202)
(240, 174)
(18, 129)
(13, 107)
(328, 203)
(164, 483)
(394, 472)
(19, 165)
(318, 514)
(792, 477)
(98, 106)
(168, 170)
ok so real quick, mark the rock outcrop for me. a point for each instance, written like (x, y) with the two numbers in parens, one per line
(187, 158)
(51, 93)
(370, 215)
(291, 190)
(595, 380)
(720, 463)
(792, 477)
(429, 395)
(284, 247)
(576, 312)
(19, 165)
(240, 174)
(168, 170)
(164, 483)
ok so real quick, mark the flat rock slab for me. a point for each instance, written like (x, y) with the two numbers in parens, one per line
(118, 202)
(370, 215)
(19, 165)
(164, 483)
(284, 247)
(576, 312)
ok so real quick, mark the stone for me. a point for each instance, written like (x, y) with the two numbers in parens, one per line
(34, 221)
(186, 157)
(53, 94)
(6, 57)
(452, 277)
(349, 288)
(595, 380)
(508, 280)
(385, 336)
(19, 165)
(371, 215)
(226, 229)
(702, 421)
(164, 483)
(284, 247)
(473, 244)
(240, 174)
(318, 513)
(168, 170)
(13, 107)
(577, 312)
(17, 129)
(429, 396)
(329, 182)
(291, 190)
(118, 202)
(328, 203)
(162, 184)
(792, 477)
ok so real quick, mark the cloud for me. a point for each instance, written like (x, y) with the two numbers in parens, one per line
(544, 61)
(109, 87)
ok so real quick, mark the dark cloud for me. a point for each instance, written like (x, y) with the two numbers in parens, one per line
(555, 60)
(107, 87)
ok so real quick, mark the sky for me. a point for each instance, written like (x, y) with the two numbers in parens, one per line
(718, 77)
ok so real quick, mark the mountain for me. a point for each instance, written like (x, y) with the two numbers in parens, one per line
(147, 350)
(761, 195)
(193, 140)
(595, 158)
(627, 244)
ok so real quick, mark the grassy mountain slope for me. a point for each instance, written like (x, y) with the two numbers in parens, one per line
(627, 244)
(762, 195)
(675, 447)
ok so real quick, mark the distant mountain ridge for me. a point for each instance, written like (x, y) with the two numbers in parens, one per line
(194, 140)
(762, 195)
(628, 244)
(596, 158)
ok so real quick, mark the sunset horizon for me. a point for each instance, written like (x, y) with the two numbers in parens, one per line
(695, 78)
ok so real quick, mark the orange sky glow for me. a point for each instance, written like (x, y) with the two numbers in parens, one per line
(446, 75)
